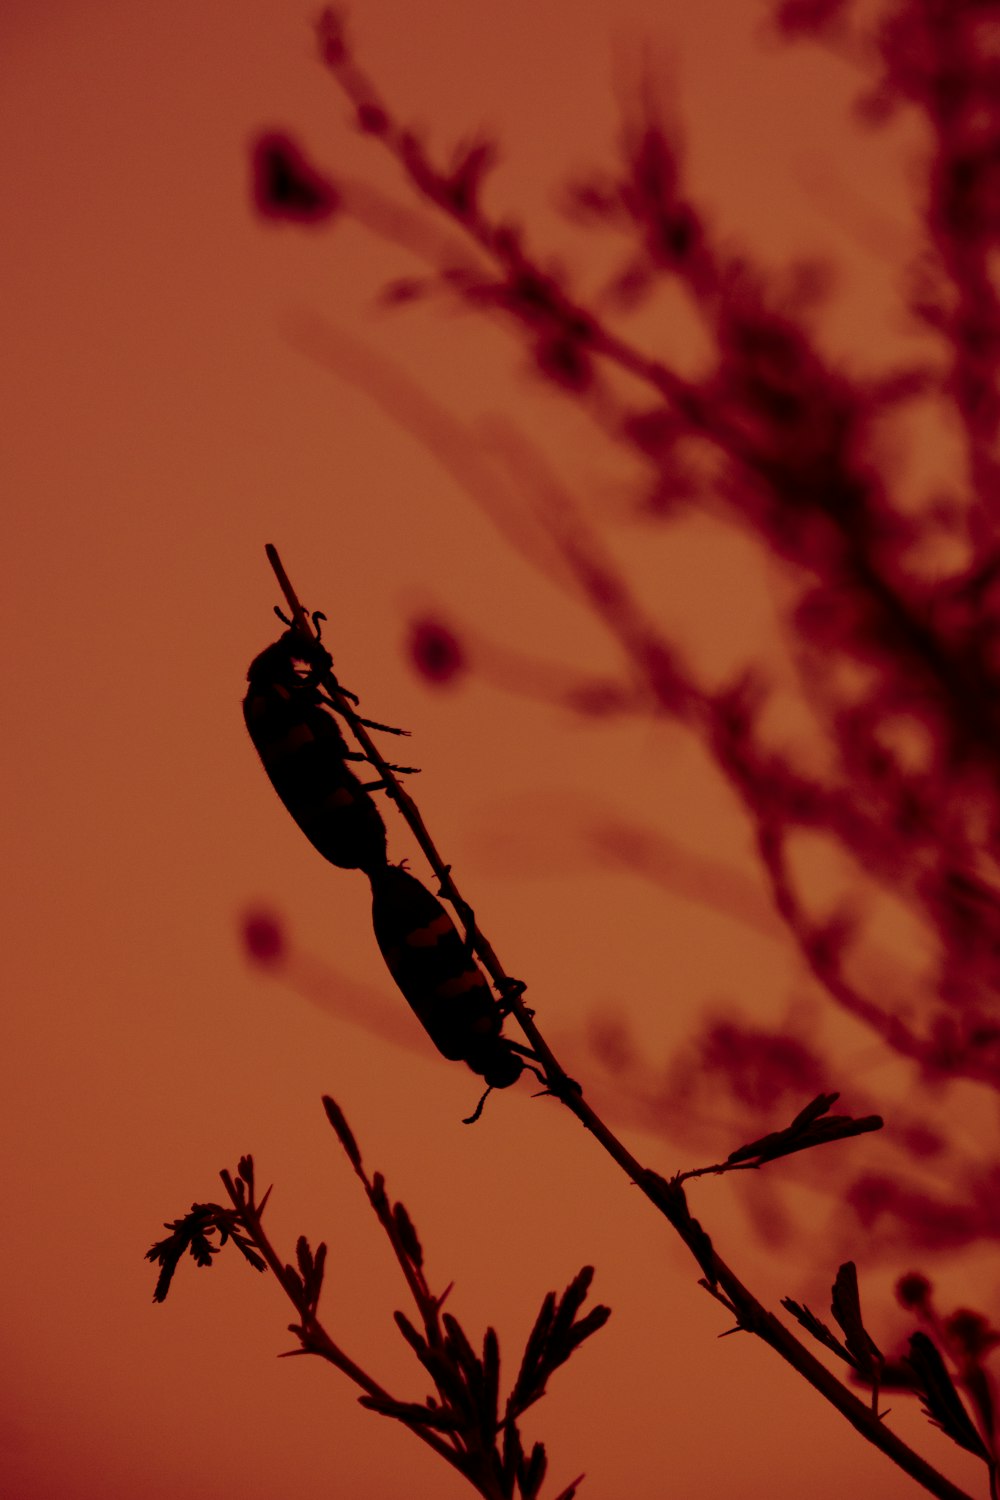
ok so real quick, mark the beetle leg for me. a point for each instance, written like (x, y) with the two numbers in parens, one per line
(325, 697)
(512, 990)
(400, 770)
(378, 786)
(385, 728)
(468, 918)
(466, 915)
(560, 1085)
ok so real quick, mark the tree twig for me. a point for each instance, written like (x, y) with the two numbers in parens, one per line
(667, 1197)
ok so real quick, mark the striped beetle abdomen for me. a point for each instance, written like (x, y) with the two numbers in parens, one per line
(438, 976)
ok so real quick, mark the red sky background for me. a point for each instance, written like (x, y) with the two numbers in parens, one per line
(182, 383)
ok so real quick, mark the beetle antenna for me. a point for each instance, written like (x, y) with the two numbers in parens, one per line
(471, 1120)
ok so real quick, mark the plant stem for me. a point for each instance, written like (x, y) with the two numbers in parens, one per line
(319, 1341)
(667, 1197)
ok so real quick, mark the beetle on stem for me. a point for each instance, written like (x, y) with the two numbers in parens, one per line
(437, 974)
(291, 722)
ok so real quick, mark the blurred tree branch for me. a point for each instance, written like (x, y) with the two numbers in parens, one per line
(892, 611)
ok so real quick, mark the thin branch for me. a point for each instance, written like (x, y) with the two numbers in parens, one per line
(667, 1197)
(314, 1337)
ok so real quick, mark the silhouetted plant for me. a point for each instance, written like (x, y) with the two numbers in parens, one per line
(892, 623)
(892, 610)
(912, 793)
(305, 758)
(464, 1422)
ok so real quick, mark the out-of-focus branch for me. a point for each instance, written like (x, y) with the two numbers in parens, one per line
(792, 431)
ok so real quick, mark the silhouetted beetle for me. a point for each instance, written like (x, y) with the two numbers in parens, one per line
(437, 974)
(290, 720)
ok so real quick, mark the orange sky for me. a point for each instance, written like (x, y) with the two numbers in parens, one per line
(165, 415)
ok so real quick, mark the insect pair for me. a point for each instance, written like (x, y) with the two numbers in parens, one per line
(290, 712)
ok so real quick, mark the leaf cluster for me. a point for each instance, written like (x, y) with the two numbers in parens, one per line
(940, 1399)
(466, 1405)
(464, 1420)
(465, 1408)
(812, 1126)
(966, 1336)
(857, 1348)
(194, 1233)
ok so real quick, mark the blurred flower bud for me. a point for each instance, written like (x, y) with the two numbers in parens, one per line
(971, 1331)
(436, 652)
(372, 119)
(285, 185)
(264, 939)
(913, 1290)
